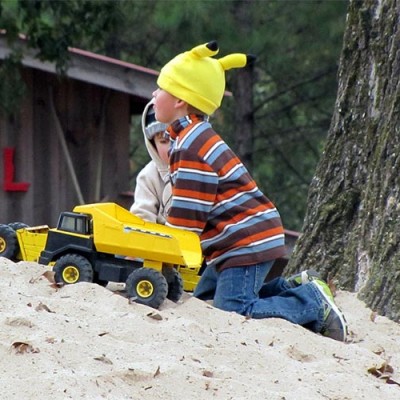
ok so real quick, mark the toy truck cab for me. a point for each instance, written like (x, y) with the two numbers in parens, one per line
(73, 232)
(75, 223)
(104, 242)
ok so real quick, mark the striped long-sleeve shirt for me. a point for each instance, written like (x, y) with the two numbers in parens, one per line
(214, 195)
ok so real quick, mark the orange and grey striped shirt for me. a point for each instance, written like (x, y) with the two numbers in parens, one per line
(214, 195)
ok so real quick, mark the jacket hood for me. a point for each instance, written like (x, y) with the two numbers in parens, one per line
(148, 131)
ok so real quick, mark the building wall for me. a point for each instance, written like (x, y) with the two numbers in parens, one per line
(95, 124)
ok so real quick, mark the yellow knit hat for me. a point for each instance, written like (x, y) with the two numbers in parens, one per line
(198, 79)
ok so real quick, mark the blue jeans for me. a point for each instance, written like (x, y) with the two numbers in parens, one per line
(243, 290)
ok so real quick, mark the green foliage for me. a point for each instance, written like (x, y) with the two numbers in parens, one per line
(294, 98)
(12, 88)
(52, 26)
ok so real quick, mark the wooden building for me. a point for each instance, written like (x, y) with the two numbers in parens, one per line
(69, 143)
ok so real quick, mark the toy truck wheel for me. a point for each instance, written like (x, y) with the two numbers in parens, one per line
(72, 268)
(147, 286)
(8, 242)
(175, 283)
(17, 225)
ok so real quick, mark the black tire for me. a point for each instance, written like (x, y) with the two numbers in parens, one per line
(17, 225)
(175, 283)
(8, 242)
(147, 286)
(72, 268)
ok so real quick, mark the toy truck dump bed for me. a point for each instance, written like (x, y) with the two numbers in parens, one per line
(117, 231)
(19, 242)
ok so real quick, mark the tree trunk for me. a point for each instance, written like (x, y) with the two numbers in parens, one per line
(243, 92)
(350, 231)
(244, 116)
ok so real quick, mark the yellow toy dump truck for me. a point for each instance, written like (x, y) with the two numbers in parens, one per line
(104, 242)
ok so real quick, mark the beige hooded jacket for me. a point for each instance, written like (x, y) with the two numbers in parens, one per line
(153, 188)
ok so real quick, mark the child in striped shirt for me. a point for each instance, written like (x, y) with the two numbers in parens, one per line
(214, 195)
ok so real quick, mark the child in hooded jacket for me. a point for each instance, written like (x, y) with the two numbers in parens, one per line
(214, 195)
(152, 197)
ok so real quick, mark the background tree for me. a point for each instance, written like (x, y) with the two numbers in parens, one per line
(351, 226)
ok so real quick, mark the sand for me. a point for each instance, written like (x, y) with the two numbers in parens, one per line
(85, 341)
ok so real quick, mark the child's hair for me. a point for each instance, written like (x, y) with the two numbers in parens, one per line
(198, 79)
(194, 110)
(160, 135)
(149, 123)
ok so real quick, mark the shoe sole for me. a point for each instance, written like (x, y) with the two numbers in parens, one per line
(337, 311)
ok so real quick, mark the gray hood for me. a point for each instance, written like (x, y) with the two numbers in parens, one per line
(149, 131)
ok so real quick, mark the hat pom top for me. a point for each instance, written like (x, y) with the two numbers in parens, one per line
(236, 60)
(205, 50)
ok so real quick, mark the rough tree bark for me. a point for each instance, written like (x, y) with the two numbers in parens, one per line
(351, 229)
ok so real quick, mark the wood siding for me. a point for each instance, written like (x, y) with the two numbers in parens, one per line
(95, 122)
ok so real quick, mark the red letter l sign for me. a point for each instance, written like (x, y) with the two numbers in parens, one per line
(9, 185)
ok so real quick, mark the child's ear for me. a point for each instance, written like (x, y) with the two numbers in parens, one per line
(180, 104)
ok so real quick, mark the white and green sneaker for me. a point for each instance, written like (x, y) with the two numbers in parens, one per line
(335, 325)
(303, 277)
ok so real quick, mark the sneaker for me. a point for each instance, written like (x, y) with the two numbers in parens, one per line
(335, 325)
(303, 277)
